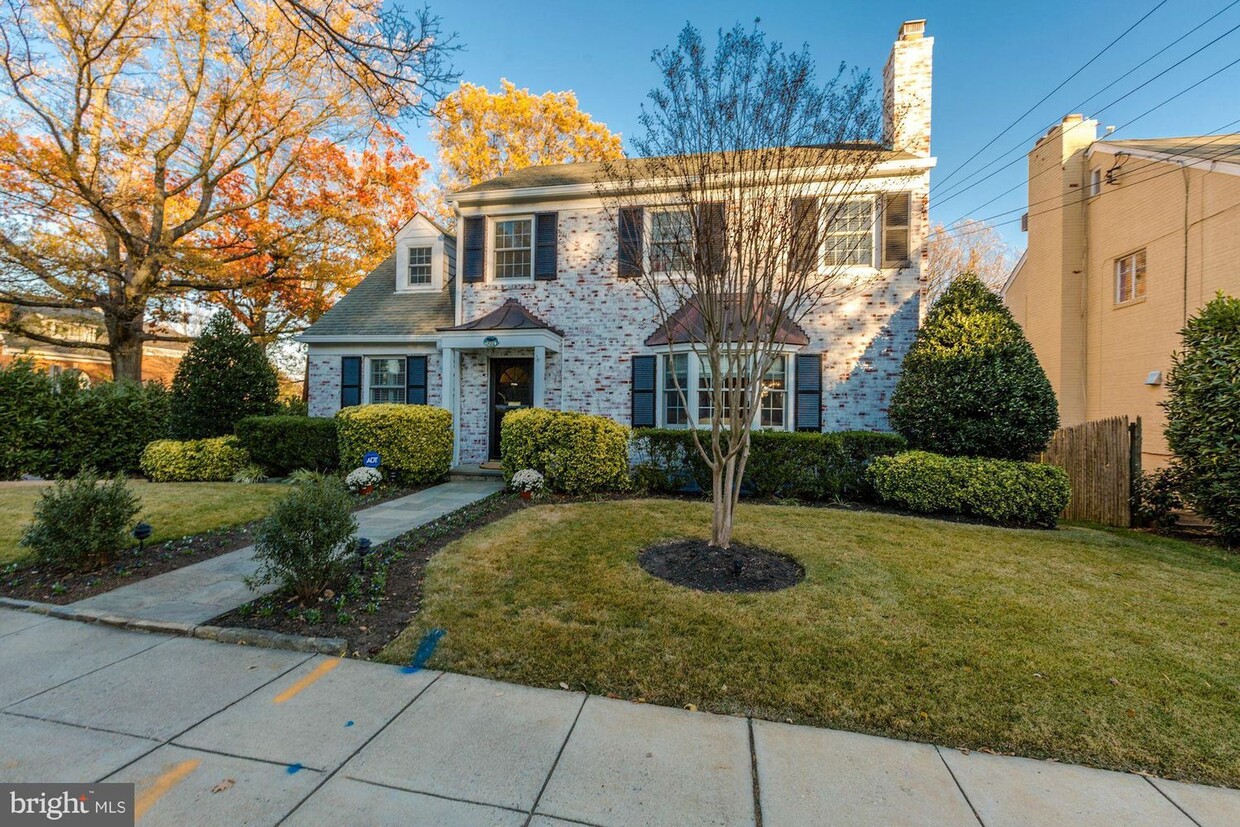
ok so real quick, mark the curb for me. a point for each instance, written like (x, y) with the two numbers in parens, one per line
(241, 637)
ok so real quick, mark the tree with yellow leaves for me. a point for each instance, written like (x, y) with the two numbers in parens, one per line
(483, 134)
(135, 133)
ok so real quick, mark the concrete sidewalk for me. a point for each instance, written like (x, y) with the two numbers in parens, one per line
(293, 739)
(197, 593)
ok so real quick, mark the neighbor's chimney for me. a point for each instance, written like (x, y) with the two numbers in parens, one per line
(906, 90)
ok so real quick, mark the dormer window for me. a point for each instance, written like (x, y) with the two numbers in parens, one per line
(420, 259)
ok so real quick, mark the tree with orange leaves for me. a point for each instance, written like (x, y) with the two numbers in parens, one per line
(325, 226)
(483, 134)
(134, 131)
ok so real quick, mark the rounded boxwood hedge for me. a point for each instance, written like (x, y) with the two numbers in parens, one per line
(1203, 415)
(971, 384)
(216, 459)
(282, 444)
(414, 442)
(1007, 492)
(577, 453)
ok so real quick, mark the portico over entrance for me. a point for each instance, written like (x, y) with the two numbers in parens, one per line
(492, 365)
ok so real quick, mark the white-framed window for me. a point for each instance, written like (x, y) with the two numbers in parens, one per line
(386, 379)
(671, 241)
(419, 270)
(675, 370)
(513, 248)
(1095, 182)
(694, 375)
(1130, 277)
(848, 233)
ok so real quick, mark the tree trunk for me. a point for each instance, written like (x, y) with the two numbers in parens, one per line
(125, 340)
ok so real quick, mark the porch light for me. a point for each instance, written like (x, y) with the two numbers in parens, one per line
(490, 342)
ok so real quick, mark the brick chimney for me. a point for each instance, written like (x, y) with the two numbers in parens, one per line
(906, 90)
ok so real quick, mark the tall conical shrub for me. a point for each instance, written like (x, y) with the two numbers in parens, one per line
(224, 377)
(1203, 415)
(971, 384)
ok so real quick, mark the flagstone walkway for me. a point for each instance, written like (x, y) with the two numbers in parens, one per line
(195, 594)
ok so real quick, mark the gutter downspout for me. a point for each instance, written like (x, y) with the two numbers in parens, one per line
(1184, 170)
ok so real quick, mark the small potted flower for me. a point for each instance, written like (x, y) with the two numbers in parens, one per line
(363, 480)
(527, 482)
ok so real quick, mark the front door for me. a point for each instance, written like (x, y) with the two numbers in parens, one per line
(512, 387)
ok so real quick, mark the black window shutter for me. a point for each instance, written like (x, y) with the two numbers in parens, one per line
(630, 236)
(897, 219)
(545, 245)
(643, 391)
(716, 232)
(803, 232)
(809, 392)
(415, 380)
(475, 248)
(350, 381)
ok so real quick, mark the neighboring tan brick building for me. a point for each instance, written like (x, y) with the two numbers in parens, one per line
(1127, 240)
(159, 359)
(537, 311)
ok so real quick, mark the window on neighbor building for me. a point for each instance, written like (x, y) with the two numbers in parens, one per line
(387, 380)
(1130, 277)
(514, 250)
(420, 265)
(849, 233)
(1095, 182)
(675, 369)
(671, 241)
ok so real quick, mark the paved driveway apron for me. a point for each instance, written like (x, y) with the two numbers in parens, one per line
(216, 734)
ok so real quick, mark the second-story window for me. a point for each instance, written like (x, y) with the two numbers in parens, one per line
(1130, 277)
(419, 266)
(849, 234)
(671, 241)
(514, 251)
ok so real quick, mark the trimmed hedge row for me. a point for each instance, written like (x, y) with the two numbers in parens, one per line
(194, 460)
(55, 427)
(414, 441)
(1008, 492)
(282, 444)
(577, 453)
(804, 466)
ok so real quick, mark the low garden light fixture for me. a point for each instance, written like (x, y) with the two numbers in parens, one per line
(141, 533)
(363, 547)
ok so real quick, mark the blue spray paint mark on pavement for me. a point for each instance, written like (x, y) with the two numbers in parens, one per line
(424, 651)
(293, 769)
(350, 723)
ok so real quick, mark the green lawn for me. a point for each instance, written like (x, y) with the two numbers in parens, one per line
(174, 509)
(1108, 648)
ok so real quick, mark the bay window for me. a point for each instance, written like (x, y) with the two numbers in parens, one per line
(693, 373)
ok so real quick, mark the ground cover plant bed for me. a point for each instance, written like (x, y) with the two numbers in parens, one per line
(1110, 648)
(383, 590)
(201, 517)
(696, 564)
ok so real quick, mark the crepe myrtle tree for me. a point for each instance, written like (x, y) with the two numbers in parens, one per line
(746, 157)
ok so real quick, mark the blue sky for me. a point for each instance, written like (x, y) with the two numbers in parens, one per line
(993, 61)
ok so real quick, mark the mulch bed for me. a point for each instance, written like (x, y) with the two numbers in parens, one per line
(383, 591)
(62, 585)
(696, 564)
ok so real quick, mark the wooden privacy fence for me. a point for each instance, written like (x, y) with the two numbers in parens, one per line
(1102, 458)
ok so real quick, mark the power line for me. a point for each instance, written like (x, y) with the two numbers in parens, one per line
(1063, 83)
(963, 185)
(1061, 204)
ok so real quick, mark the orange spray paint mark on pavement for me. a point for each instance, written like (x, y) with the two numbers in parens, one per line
(162, 785)
(316, 673)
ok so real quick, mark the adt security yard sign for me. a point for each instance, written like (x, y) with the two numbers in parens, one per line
(370, 459)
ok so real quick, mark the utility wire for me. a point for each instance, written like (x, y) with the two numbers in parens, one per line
(1061, 85)
(962, 185)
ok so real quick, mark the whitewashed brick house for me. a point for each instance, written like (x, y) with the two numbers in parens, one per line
(536, 310)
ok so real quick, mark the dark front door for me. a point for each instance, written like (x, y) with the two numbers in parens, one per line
(512, 387)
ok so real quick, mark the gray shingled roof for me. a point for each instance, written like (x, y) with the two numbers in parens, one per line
(1199, 147)
(374, 308)
(553, 175)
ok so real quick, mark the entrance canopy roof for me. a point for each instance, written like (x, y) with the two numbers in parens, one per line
(509, 325)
